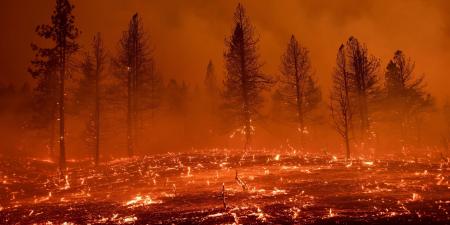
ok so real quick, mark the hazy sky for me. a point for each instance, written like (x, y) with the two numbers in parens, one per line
(186, 34)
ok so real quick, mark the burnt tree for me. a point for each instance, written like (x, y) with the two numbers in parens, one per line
(364, 84)
(297, 87)
(340, 99)
(136, 71)
(406, 97)
(63, 33)
(89, 93)
(244, 79)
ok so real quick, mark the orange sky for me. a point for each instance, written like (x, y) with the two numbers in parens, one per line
(186, 34)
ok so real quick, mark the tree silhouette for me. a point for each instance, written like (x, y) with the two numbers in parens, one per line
(89, 93)
(364, 84)
(211, 79)
(244, 79)
(212, 99)
(63, 32)
(405, 95)
(135, 65)
(298, 90)
(340, 99)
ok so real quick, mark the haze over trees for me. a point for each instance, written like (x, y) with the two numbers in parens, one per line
(244, 79)
(406, 97)
(446, 132)
(212, 99)
(126, 103)
(90, 91)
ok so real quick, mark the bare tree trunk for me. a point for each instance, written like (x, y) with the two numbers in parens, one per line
(299, 105)
(347, 140)
(62, 149)
(97, 99)
(247, 118)
(52, 140)
(130, 114)
(135, 89)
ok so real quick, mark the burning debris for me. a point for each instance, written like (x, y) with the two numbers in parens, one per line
(295, 190)
(240, 182)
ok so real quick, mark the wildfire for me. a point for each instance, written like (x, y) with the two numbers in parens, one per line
(277, 191)
(277, 157)
(367, 163)
(141, 201)
(260, 215)
(331, 213)
(416, 197)
(129, 219)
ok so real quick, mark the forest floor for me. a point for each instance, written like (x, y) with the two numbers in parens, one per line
(191, 188)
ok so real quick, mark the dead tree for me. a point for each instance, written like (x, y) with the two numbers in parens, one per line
(240, 182)
(405, 94)
(63, 32)
(364, 87)
(340, 102)
(244, 79)
(136, 69)
(224, 196)
(298, 90)
(89, 93)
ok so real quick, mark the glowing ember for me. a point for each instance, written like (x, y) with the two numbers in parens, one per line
(293, 180)
(141, 201)
(129, 219)
(331, 213)
(277, 157)
(416, 197)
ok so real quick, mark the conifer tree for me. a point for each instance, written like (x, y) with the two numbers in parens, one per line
(63, 33)
(244, 79)
(298, 90)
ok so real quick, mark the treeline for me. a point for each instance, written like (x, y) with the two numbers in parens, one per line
(121, 98)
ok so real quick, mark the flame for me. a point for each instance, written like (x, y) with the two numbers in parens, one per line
(141, 201)
(416, 197)
(277, 157)
(331, 213)
(129, 219)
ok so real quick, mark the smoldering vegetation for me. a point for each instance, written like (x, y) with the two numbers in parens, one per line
(281, 187)
(102, 136)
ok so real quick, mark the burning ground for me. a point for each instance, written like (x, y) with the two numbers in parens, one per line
(256, 188)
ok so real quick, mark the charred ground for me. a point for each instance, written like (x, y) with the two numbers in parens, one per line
(186, 188)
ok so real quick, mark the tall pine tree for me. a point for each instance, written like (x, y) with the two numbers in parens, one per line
(405, 94)
(63, 33)
(89, 93)
(136, 69)
(298, 90)
(364, 85)
(244, 79)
